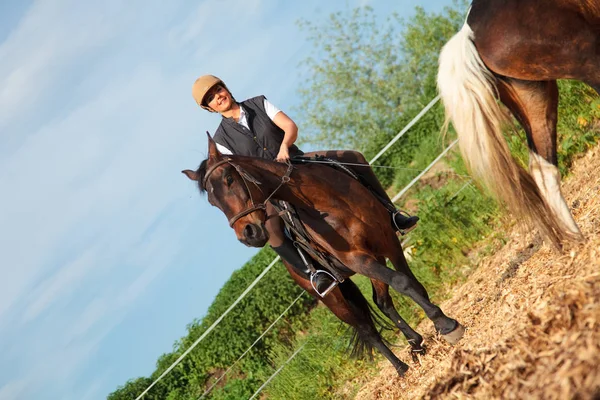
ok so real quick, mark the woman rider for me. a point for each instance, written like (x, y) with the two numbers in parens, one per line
(255, 127)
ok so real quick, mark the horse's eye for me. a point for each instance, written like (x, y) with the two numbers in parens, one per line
(229, 180)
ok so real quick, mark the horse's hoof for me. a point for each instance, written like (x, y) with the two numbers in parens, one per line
(420, 350)
(417, 349)
(401, 369)
(416, 352)
(454, 336)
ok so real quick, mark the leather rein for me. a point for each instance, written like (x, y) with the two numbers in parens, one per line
(246, 177)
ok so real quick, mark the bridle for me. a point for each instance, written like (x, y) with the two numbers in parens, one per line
(246, 177)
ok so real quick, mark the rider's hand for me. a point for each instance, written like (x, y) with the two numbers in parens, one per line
(284, 154)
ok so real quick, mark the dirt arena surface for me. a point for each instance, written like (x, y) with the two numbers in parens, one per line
(532, 317)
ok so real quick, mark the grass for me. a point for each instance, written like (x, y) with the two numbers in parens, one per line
(455, 219)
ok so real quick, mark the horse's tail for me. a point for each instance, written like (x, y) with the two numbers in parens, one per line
(359, 347)
(468, 91)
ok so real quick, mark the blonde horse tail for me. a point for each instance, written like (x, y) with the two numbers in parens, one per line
(468, 91)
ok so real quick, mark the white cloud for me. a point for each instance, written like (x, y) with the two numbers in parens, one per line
(13, 390)
(71, 340)
(90, 316)
(62, 283)
(94, 389)
(210, 23)
(65, 176)
(55, 367)
(49, 37)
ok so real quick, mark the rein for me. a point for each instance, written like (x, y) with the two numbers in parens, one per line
(318, 161)
(246, 177)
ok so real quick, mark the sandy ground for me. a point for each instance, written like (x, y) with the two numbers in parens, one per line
(532, 317)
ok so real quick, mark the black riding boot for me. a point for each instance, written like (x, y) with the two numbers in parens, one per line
(289, 253)
(404, 223)
(401, 221)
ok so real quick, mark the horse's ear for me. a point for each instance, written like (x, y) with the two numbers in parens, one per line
(213, 152)
(191, 174)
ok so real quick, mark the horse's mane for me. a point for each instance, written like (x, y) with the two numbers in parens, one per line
(200, 172)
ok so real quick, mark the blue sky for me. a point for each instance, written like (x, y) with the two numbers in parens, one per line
(107, 251)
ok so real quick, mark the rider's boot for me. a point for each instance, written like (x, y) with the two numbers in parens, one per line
(403, 222)
(290, 253)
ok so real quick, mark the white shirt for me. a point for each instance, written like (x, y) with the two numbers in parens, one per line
(271, 111)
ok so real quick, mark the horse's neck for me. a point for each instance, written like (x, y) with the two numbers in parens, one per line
(270, 174)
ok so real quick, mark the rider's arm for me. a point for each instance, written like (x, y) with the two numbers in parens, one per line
(286, 124)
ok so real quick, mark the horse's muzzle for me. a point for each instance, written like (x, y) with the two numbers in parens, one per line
(254, 235)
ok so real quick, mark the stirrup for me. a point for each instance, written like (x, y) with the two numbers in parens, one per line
(334, 282)
(400, 230)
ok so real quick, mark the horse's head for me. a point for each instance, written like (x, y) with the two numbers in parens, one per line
(234, 192)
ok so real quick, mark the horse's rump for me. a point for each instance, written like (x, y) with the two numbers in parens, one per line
(513, 51)
(537, 39)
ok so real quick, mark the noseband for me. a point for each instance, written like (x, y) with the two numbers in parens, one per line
(246, 177)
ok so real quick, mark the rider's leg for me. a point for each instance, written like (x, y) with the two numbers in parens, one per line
(285, 248)
(400, 221)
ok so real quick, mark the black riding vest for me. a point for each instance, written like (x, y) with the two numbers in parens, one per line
(263, 139)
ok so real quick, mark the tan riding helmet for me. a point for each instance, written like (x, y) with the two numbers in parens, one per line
(202, 86)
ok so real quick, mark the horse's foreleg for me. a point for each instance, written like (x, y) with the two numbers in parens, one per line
(535, 104)
(406, 284)
(449, 328)
(383, 300)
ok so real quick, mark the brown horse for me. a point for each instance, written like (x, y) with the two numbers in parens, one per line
(344, 219)
(514, 51)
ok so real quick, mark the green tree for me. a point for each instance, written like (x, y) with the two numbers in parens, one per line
(367, 80)
(132, 389)
(364, 74)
